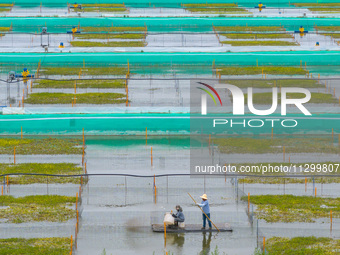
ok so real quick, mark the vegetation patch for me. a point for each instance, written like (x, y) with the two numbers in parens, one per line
(267, 98)
(253, 70)
(67, 98)
(333, 35)
(328, 28)
(80, 84)
(112, 29)
(284, 180)
(51, 208)
(102, 9)
(260, 43)
(103, 5)
(110, 70)
(6, 5)
(36, 246)
(232, 10)
(302, 245)
(48, 146)
(208, 5)
(109, 36)
(41, 168)
(4, 29)
(256, 36)
(214, 8)
(290, 208)
(251, 28)
(109, 44)
(262, 145)
(4, 9)
(323, 9)
(264, 83)
(316, 4)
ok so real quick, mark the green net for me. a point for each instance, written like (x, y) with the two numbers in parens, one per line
(155, 24)
(163, 3)
(293, 58)
(167, 123)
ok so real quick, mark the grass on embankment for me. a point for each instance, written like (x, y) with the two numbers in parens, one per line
(108, 44)
(6, 5)
(110, 70)
(302, 245)
(212, 10)
(51, 208)
(103, 5)
(208, 5)
(102, 9)
(260, 43)
(316, 4)
(267, 98)
(249, 28)
(253, 70)
(48, 146)
(264, 83)
(67, 98)
(35, 246)
(4, 29)
(328, 28)
(262, 145)
(323, 9)
(109, 36)
(329, 34)
(112, 29)
(41, 168)
(257, 36)
(80, 84)
(4, 9)
(290, 208)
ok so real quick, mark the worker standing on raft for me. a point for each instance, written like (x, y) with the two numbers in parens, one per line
(206, 210)
(179, 216)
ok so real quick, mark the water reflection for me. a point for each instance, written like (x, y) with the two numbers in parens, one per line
(206, 244)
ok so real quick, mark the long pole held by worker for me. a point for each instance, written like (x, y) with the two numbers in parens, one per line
(204, 212)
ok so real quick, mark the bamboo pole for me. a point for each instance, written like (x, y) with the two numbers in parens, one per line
(264, 245)
(71, 245)
(248, 201)
(272, 133)
(203, 212)
(151, 157)
(14, 155)
(284, 153)
(165, 233)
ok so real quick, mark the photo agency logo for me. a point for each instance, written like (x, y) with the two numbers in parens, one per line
(237, 97)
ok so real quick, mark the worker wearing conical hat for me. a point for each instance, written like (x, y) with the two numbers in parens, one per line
(206, 209)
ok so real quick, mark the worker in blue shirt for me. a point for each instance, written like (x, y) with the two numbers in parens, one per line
(206, 209)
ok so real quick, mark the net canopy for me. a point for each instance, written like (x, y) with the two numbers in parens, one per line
(155, 24)
(124, 124)
(163, 3)
(290, 58)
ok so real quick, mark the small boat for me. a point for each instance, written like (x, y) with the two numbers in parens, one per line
(191, 228)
